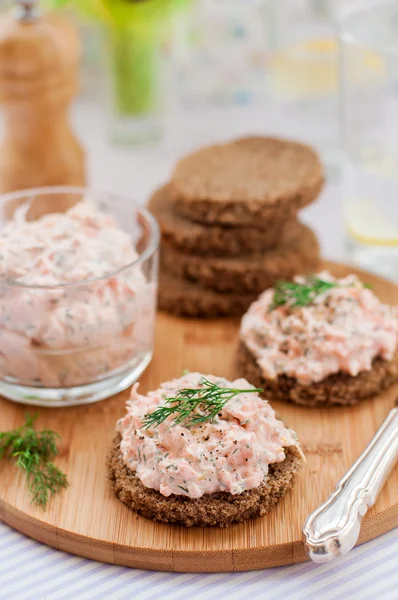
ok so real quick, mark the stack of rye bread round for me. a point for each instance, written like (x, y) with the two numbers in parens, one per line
(229, 224)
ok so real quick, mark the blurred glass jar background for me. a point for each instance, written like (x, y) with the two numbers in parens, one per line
(216, 72)
(369, 123)
(302, 67)
(219, 53)
(194, 71)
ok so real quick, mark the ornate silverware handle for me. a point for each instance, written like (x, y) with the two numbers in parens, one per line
(333, 529)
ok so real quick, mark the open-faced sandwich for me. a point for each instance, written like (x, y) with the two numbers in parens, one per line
(319, 341)
(201, 450)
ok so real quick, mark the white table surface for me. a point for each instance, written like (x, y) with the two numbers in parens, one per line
(32, 571)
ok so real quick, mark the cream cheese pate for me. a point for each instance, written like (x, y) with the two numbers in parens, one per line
(231, 454)
(343, 330)
(92, 321)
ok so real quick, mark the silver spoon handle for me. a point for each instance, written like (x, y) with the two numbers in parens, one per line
(333, 529)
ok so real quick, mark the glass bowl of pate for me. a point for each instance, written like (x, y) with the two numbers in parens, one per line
(78, 285)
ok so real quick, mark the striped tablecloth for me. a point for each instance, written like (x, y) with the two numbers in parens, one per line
(31, 571)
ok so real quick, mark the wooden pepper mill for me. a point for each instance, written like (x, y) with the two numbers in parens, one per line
(39, 57)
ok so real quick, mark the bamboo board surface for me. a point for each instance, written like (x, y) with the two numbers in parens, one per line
(88, 520)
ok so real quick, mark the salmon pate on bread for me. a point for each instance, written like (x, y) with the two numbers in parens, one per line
(201, 450)
(319, 341)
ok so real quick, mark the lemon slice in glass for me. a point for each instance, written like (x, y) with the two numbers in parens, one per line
(310, 67)
(367, 225)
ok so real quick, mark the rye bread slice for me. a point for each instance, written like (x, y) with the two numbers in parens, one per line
(297, 253)
(247, 181)
(220, 509)
(336, 389)
(185, 298)
(189, 236)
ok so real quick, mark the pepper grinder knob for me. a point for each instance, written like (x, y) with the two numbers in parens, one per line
(26, 10)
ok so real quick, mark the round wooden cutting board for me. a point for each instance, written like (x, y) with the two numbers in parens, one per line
(87, 519)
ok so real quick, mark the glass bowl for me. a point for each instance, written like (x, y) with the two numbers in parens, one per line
(81, 341)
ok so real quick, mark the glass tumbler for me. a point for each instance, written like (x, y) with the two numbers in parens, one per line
(302, 71)
(84, 340)
(368, 32)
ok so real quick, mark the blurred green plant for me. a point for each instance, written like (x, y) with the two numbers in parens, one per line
(134, 30)
(119, 13)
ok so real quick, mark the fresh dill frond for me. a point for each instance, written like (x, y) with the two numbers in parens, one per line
(194, 406)
(33, 452)
(300, 294)
(296, 294)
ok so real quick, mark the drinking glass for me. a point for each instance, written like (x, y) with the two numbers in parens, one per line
(368, 33)
(302, 70)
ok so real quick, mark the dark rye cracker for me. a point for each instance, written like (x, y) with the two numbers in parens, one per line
(336, 389)
(190, 236)
(219, 509)
(247, 182)
(297, 253)
(187, 299)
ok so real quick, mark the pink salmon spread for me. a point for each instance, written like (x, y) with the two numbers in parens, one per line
(230, 454)
(343, 330)
(69, 313)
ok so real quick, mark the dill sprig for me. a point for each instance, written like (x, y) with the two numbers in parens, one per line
(194, 406)
(300, 294)
(34, 452)
(303, 294)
